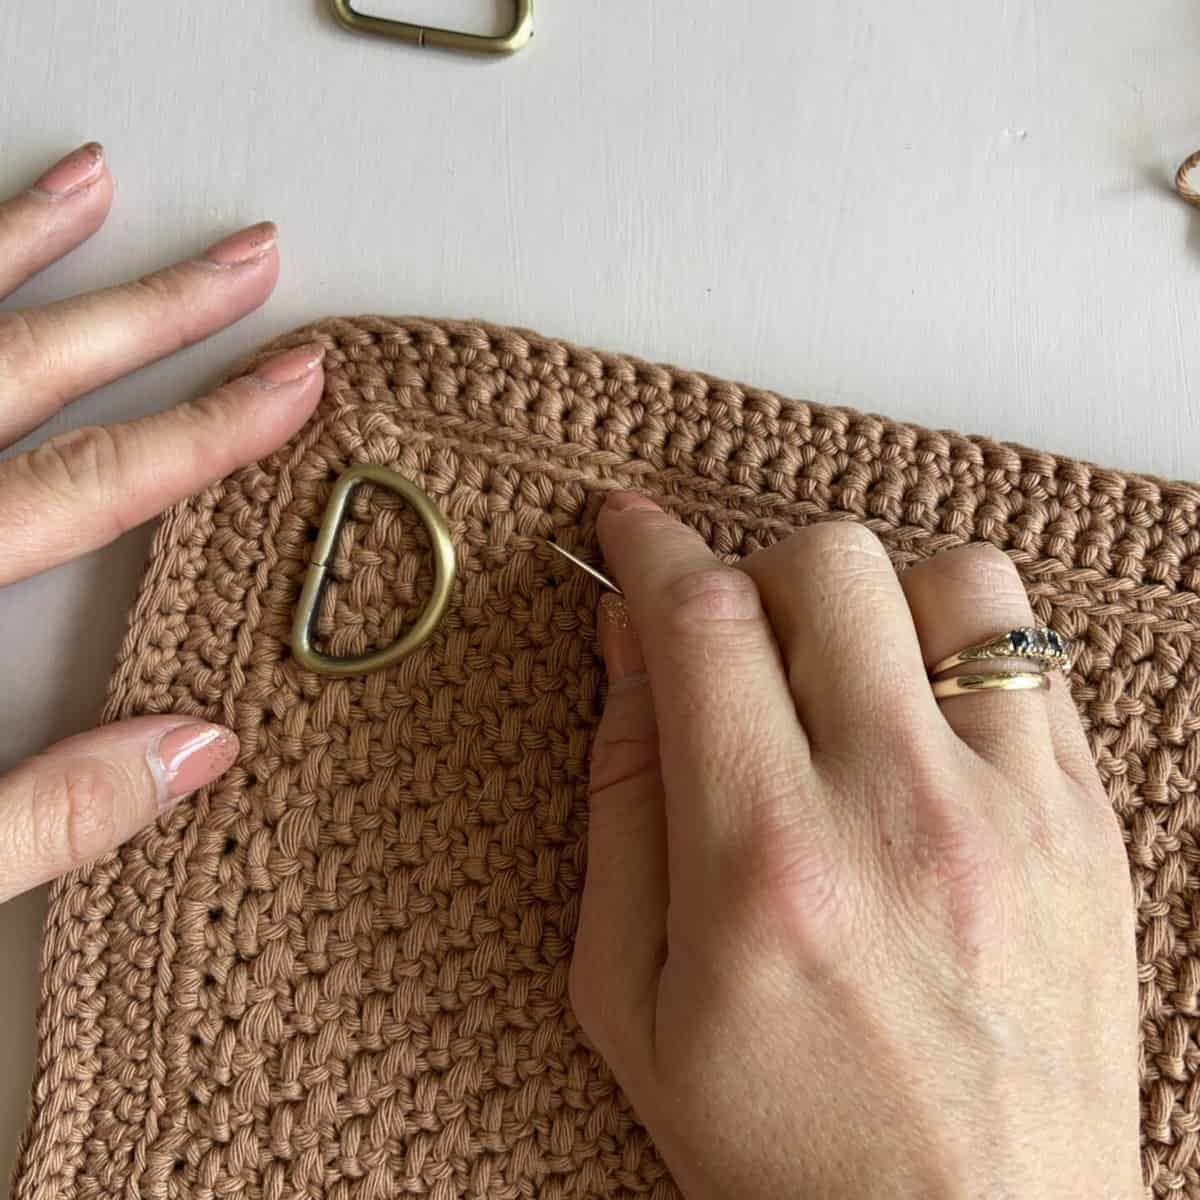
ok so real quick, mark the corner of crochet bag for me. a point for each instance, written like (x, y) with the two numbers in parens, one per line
(353, 949)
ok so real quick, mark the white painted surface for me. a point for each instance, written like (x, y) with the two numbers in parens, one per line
(954, 214)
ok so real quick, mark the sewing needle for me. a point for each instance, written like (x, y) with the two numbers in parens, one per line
(608, 583)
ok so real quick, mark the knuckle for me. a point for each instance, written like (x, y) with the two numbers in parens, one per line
(163, 297)
(847, 570)
(955, 866)
(621, 760)
(626, 743)
(831, 539)
(73, 814)
(793, 887)
(784, 864)
(962, 851)
(983, 568)
(19, 345)
(709, 594)
(82, 461)
(84, 464)
(207, 415)
(162, 288)
(988, 559)
(852, 571)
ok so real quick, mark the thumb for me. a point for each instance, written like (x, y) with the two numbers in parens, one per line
(621, 942)
(86, 795)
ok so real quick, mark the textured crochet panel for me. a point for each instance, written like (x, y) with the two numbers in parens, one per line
(342, 971)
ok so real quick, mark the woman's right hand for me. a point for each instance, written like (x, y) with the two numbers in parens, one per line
(838, 939)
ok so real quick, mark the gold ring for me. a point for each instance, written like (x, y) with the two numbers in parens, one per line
(1036, 644)
(968, 685)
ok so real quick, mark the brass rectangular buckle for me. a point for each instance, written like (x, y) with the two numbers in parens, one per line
(444, 39)
(444, 566)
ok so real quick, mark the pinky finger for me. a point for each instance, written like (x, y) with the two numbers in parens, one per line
(88, 794)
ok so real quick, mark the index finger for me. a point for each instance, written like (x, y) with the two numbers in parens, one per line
(733, 754)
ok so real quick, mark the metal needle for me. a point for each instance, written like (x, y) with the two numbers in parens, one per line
(600, 578)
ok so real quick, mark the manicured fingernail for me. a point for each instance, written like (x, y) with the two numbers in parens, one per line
(291, 366)
(618, 640)
(620, 501)
(245, 246)
(189, 756)
(74, 172)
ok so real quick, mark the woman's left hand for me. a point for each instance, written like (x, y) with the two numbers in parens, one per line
(75, 493)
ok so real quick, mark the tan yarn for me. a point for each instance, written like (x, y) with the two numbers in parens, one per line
(342, 971)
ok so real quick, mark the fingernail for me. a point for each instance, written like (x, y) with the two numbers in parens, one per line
(619, 640)
(245, 246)
(290, 366)
(74, 172)
(189, 756)
(620, 501)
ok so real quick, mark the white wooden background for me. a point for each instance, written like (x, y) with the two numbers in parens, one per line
(952, 213)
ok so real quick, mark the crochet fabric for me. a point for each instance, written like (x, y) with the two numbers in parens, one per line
(342, 971)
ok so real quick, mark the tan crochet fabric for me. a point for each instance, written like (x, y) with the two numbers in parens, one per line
(342, 971)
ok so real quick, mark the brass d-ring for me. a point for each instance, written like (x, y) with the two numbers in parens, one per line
(517, 36)
(331, 525)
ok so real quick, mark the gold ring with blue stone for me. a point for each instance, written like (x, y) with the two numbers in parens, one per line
(1036, 644)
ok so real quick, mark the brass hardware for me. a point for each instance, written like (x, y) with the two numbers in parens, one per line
(323, 549)
(444, 39)
(968, 685)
